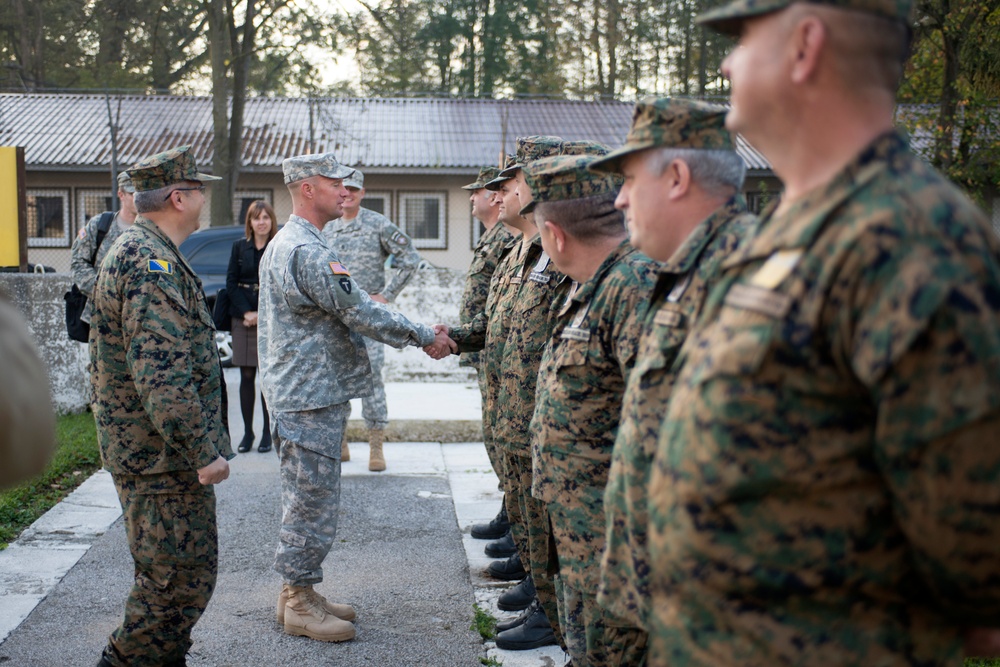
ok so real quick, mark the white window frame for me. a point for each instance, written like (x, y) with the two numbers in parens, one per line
(439, 243)
(65, 240)
(384, 195)
(240, 195)
(81, 209)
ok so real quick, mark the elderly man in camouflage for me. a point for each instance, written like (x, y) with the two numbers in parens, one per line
(491, 247)
(364, 240)
(157, 387)
(825, 489)
(683, 207)
(93, 242)
(313, 319)
(581, 378)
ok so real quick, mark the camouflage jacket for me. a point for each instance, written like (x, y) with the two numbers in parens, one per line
(581, 378)
(364, 243)
(85, 271)
(156, 377)
(823, 490)
(312, 317)
(490, 249)
(674, 305)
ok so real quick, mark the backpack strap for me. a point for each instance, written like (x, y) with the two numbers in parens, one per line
(103, 225)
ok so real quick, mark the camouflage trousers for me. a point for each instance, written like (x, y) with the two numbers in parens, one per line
(496, 456)
(374, 410)
(172, 535)
(532, 532)
(595, 637)
(310, 494)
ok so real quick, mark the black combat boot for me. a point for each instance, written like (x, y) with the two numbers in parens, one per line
(535, 632)
(501, 548)
(519, 597)
(495, 528)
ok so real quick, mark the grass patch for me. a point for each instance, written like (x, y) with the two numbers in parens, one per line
(490, 662)
(76, 458)
(484, 623)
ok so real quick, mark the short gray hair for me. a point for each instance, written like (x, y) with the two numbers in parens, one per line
(718, 172)
(586, 218)
(149, 201)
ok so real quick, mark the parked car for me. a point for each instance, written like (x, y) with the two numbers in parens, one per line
(208, 251)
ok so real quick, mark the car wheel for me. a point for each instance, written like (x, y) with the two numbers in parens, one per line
(224, 341)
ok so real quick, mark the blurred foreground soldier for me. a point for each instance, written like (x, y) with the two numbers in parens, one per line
(491, 248)
(364, 240)
(27, 420)
(158, 406)
(312, 322)
(683, 207)
(581, 378)
(825, 488)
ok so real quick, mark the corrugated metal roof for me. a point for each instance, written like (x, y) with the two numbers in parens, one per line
(62, 131)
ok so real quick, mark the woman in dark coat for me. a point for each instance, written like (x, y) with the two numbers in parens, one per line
(242, 287)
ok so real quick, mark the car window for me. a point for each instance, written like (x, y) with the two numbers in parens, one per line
(213, 254)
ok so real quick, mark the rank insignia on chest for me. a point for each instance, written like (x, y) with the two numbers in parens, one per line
(159, 266)
(668, 318)
(776, 268)
(345, 284)
(339, 269)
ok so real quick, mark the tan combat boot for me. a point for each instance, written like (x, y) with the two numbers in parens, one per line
(376, 460)
(344, 612)
(305, 616)
(345, 452)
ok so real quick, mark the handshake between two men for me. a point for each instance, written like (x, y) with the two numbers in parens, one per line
(443, 345)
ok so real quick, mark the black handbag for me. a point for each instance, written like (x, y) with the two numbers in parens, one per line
(220, 314)
(76, 328)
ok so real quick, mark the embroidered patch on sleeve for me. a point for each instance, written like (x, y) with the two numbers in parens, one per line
(399, 238)
(339, 269)
(159, 266)
(83, 233)
(345, 284)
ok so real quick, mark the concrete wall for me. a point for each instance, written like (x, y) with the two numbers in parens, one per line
(432, 296)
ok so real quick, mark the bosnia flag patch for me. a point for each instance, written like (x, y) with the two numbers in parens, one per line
(160, 266)
(339, 269)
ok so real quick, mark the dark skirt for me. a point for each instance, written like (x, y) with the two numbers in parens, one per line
(244, 344)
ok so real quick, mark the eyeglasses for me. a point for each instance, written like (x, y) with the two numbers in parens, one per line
(200, 188)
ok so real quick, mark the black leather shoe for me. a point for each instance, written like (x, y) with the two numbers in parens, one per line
(495, 528)
(246, 444)
(519, 597)
(509, 569)
(535, 632)
(502, 548)
(503, 626)
(265, 443)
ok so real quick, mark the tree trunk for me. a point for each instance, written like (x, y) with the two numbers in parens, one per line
(222, 162)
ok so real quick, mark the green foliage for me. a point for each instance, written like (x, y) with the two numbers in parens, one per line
(490, 662)
(483, 622)
(76, 458)
(982, 662)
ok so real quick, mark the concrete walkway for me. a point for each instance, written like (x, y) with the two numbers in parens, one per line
(404, 558)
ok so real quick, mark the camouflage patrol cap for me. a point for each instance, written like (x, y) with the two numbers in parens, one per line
(125, 182)
(486, 174)
(533, 148)
(497, 181)
(355, 180)
(728, 18)
(318, 164)
(566, 177)
(167, 168)
(673, 123)
(584, 147)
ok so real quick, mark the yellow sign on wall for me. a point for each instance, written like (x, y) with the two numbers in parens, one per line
(10, 214)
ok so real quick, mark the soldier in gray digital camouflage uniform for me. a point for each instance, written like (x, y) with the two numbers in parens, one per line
(157, 387)
(313, 318)
(86, 255)
(364, 240)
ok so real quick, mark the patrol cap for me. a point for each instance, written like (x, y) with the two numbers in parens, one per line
(486, 174)
(167, 168)
(674, 123)
(355, 180)
(566, 177)
(584, 147)
(499, 179)
(729, 17)
(533, 148)
(125, 182)
(318, 164)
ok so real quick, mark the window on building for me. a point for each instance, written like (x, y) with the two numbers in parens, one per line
(378, 201)
(422, 216)
(90, 203)
(48, 218)
(758, 201)
(242, 200)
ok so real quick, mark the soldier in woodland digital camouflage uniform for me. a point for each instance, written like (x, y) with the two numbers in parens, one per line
(581, 378)
(826, 486)
(312, 322)
(86, 256)
(157, 387)
(683, 205)
(364, 240)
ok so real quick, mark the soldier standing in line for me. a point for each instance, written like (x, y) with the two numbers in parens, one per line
(491, 247)
(157, 387)
(683, 208)
(581, 378)
(364, 240)
(825, 488)
(313, 319)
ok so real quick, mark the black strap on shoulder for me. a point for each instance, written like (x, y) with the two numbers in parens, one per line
(103, 225)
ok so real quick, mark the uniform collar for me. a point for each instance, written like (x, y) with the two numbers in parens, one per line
(686, 257)
(150, 227)
(297, 221)
(587, 289)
